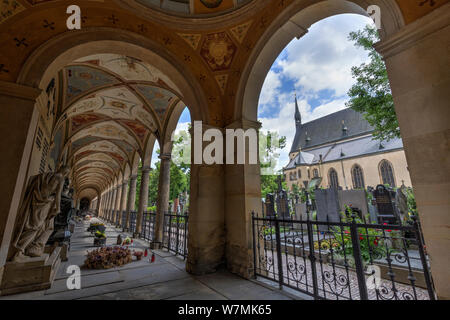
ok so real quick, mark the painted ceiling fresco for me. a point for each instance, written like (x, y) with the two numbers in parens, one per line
(113, 103)
(191, 7)
(82, 78)
(129, 68)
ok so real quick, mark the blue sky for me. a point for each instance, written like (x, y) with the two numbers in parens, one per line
(317, 67)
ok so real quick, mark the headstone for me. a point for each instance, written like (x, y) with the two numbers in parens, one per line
(282, 205)
(354, 198)
(269, 206)
(282, 202)
(327, 203)
(384, 202)
(301, 213)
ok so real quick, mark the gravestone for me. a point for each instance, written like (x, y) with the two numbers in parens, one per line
(282, 202)
(354, 198)
(282, 205)
(270, 206)
(384, 203)
(327, 204)
(301, 213)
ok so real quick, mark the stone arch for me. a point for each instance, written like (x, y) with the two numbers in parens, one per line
(63, 49)
(294, 22)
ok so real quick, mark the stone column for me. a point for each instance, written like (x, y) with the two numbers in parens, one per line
(123, 200)
(113, 204)
(162, 203)
(206, 224)
(417, 62)
(117, 203)
(106, 207)
(242, 196)
(143, 199)
(18, 124)
(131, 200)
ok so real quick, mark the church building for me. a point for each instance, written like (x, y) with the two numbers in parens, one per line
(341, 149)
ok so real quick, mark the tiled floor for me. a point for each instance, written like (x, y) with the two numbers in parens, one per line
(163, 279)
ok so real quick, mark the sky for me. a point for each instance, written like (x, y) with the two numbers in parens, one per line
(317, 67)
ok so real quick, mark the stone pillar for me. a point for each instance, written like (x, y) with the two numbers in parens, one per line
(242, 196)
(123, 200)
(109, 207)
(113, 204)
(143, 199)
(117, 203)
(18, 123)
(206, 224)
(131, 200)
(417, 62)
(162, 203)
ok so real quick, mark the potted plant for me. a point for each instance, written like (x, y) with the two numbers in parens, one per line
(100, 238)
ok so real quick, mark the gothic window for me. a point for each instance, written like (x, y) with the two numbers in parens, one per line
(315, 173)
(357, 177)
(387, 173)
(299, 173)
(333, 178)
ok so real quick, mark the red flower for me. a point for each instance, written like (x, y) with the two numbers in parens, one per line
(375, 242)
(361, 238)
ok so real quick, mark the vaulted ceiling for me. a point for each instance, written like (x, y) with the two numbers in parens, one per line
(111, 106)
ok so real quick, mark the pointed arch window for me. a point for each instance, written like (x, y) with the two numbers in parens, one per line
(333, 178)
(315, 173)
(387, 173)
(357, 177)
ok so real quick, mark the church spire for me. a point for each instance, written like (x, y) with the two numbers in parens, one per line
(298, 117)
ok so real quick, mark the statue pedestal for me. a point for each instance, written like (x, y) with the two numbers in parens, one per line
(33, 275)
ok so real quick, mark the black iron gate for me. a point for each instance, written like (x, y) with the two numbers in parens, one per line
(345, 260)
(175, 233)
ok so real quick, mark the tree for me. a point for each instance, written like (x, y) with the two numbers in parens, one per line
(270, 144)
(371, 95)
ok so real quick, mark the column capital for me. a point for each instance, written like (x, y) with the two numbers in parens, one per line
(124, 183)
(133, 178)
(165, 156)
(414, 32)
(244, 124)
(19, 91)
(146, 168)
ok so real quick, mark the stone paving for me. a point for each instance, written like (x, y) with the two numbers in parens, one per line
(166, 278)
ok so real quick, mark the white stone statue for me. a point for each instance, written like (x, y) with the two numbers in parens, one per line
(37, 212)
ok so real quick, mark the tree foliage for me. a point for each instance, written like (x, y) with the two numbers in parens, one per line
(371, 94)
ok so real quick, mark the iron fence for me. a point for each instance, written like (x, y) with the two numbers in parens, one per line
(148, 226)
(345, 260)
(132, 222)
(175, 233)
(123, 223)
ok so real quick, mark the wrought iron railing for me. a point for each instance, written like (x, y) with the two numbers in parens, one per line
(148, 226)
(123, 222)
(175, 233)
(345, 260)
(132, 222)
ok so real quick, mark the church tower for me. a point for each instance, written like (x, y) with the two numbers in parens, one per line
(298, 128)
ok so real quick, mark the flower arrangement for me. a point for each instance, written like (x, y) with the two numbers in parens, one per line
(128, 241)
(108, 257)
